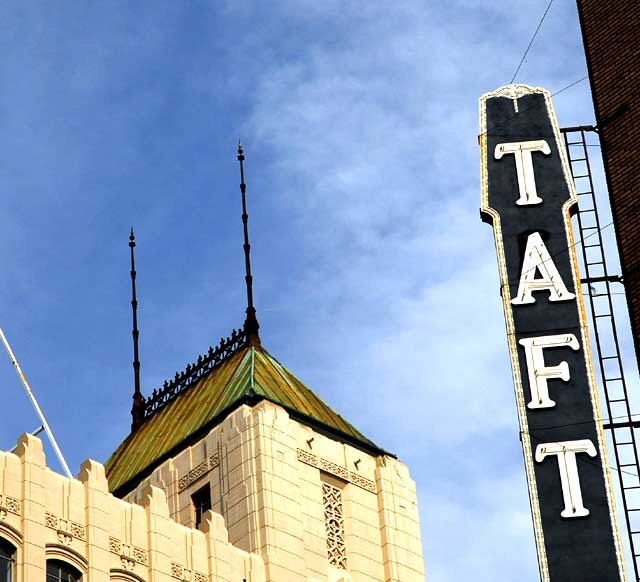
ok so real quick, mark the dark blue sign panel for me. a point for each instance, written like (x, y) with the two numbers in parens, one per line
(528, 196)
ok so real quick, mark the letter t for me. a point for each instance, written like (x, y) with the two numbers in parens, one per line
(569, 479)
(521, 151)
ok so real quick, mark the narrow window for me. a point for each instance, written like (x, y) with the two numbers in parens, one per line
(58, 571)
(201, 500)
(334, 522)
(7, 553)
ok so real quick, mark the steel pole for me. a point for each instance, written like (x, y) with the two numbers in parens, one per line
(32, 397)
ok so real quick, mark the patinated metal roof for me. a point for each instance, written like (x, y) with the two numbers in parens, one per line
(247, 376)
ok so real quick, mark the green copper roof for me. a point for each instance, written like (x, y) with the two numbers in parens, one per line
(249, 375)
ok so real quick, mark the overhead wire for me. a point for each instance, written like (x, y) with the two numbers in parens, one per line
(563, 250)
(526, 52)
(524, 56)
(515, 114)
(582, 459)
(570, 85)
(579, 422)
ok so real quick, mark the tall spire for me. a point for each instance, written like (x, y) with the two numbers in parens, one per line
(137, 410)
(251, 325)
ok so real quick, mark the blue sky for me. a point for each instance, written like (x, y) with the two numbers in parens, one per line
(375, 281)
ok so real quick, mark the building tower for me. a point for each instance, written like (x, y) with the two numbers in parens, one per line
(234, 471)
(238, 435)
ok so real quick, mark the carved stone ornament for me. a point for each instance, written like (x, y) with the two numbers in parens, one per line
(9, 505)
(337, 470)
(334, 522)
(65, 529)
(176, 571)
(77, 530)
(50, 520)
(181, 573)
(127, 563)
(64, 538)
(198, 471)
(115, 545)
(127, 553)
(361, 481)
(139, 555)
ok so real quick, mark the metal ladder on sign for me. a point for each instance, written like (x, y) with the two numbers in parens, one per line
(598, 283)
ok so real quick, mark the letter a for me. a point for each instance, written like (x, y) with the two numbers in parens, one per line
(536, 257)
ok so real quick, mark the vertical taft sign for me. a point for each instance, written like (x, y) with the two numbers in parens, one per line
(528, 196)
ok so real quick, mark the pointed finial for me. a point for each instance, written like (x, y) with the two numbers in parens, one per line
(251, 325)
(137, 410)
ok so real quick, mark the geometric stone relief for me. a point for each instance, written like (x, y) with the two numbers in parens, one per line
(127, 562)
(176, 570)
(139, 555)
(334, 522)
(336, 470)
(67, 530)
(50, 520)
(129, 555)
(184, 575)
(308, 458)
(363, 482)
(198, 471)
(9, 505)
(64, 537)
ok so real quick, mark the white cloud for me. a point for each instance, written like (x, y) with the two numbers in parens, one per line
(375, 281)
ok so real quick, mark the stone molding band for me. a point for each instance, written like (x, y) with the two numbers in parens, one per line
(198, 471)
(129, 555)
(181, 573)
(66, 529)
(9, 505)
(336, 470)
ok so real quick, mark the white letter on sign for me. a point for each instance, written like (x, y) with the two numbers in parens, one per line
(537, 258)
(538, 373)
(569, 478)
(521, 151)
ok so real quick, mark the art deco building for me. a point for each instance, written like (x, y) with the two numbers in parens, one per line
(234, 471)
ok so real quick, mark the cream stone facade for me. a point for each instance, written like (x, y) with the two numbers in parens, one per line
(289, 504)
(47, 516)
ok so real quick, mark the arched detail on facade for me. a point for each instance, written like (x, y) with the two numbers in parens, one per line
(8, 554)
(66, 554)
(7, 547)
(10, 547)
(119, 575)
(11, 534)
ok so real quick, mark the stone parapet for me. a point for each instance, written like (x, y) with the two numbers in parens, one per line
(46, 516)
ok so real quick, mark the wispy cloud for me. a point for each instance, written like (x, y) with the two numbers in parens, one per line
(375, 280)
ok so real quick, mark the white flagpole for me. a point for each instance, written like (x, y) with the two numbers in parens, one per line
(32, 397)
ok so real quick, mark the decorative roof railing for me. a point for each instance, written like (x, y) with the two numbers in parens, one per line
(194, 372)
